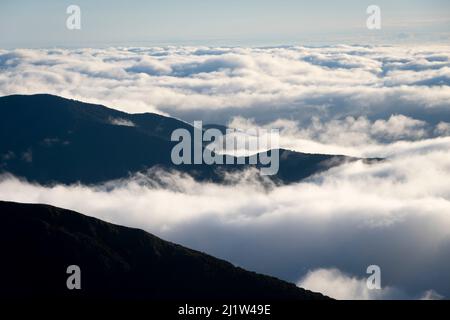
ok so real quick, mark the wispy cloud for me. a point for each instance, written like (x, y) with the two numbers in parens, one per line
(339, 285)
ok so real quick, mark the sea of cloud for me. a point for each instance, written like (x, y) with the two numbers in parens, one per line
(377, 101)
(267, 84)
(325, 99)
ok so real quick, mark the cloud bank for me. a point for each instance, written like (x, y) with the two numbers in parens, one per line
(337, 98)
(338, 285)
(368, 101)
(267, 84)
(341, 286)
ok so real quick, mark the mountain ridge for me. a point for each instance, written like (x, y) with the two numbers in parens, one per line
(38, 242)
(49, 139)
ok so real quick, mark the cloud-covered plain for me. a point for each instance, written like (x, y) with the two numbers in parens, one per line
(369, 101)
(267, 84)
(332, 99)
(395, 214)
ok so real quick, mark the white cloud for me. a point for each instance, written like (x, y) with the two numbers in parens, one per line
(352, 136)
(121, 122)
(341, 286)
(262, 83)
(150, 66)
(399, 127)
(443, 128)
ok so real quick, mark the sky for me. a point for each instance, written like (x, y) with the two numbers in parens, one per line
(26, 23)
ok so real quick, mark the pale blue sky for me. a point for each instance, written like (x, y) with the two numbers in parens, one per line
(30, 23)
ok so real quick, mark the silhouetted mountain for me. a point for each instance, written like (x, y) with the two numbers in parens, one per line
(47, 139)
(39, 242)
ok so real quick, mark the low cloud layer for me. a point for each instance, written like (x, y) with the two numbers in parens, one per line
(357, 137)
(267, 84)
(395, 214)
(368, 101)
(351, 100)
(339, 285)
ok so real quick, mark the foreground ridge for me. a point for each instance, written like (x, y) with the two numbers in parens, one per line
(38, 243)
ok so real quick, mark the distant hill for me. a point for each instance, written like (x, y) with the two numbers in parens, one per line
(39, 242)
(47, 139)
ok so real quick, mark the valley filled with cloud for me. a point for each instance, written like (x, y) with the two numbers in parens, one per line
(322, 233)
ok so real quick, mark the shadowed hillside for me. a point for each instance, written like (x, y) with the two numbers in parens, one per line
(48, 139)
(38, 243)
